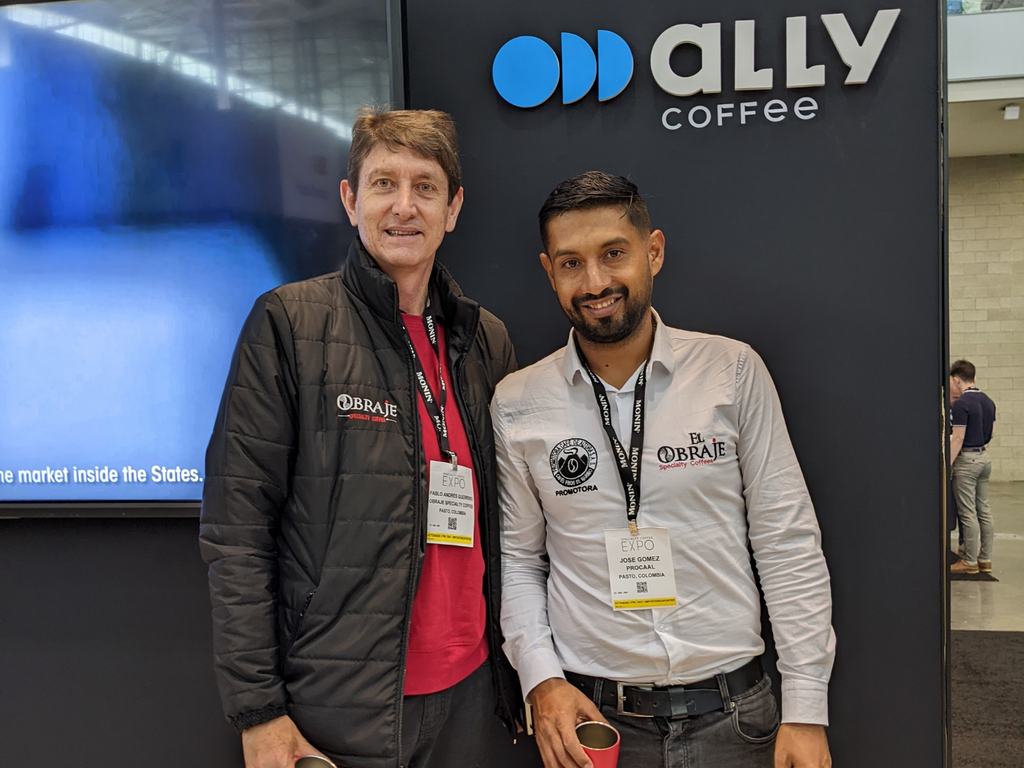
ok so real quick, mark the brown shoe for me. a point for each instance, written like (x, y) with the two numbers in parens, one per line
(985, 566)
(962, 567)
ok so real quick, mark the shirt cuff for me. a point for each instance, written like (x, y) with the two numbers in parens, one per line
(804, 701)
(536, 667)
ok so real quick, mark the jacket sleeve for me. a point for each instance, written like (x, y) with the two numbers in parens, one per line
(497, 349)
(248, 474)
(511, 366)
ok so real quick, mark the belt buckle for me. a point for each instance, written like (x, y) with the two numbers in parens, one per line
(620, 700)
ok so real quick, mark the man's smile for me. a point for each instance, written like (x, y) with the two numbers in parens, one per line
(603, 307)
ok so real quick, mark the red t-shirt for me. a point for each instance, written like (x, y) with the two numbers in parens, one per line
(447, 641)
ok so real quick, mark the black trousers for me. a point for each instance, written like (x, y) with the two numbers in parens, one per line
(452, 727)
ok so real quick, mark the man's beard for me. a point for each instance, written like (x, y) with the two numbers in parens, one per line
(612, 329)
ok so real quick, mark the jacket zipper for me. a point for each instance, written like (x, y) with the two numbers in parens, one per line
(298, 622)
(305, 605)
(418, 549)
(492, 635)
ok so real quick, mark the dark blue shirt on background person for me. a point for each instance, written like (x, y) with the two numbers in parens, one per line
(976, 412)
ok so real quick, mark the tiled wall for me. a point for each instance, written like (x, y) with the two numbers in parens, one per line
(986, 292)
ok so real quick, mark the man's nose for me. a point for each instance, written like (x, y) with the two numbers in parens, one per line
(596, 277)
(404, 204)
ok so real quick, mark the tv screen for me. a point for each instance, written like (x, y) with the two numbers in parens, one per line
(161, 166)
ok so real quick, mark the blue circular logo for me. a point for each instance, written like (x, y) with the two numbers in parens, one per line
(526, 71)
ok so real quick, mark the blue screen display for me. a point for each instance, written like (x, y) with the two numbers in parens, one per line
(146, 201)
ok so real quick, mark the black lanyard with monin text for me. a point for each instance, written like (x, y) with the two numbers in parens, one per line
(629, 464)
(435, 405)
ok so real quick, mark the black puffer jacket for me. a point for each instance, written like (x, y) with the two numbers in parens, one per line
(314, 525)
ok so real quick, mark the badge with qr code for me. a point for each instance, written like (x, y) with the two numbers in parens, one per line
(640, 569)
(450, 505)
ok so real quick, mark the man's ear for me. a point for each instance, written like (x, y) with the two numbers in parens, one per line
(453, 210)
(348, 199)
(545, 261)
(656, 250)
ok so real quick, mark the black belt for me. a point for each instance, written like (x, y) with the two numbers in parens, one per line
(687, 700)
(973, 449)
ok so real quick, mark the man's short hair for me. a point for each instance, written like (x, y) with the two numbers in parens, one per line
(963, 370)
(427, 132)
(595, 189)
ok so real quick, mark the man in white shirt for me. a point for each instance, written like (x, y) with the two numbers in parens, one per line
(639, 467)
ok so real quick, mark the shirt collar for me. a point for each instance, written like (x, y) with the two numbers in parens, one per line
(433, 309)
(661, 354)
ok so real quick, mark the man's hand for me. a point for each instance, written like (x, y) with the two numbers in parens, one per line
(558, 707)
(275, 744)
(802, 746)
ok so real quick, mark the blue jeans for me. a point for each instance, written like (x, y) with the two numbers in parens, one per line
(971, 472)
(743, 738)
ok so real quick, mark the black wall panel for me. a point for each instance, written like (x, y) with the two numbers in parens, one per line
(818, 241)
(105, 650)
(106, 658)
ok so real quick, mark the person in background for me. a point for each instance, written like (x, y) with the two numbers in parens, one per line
(640, 466)
(350, 513)
(952, 517)
(974, 416)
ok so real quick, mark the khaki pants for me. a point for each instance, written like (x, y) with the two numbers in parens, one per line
(971, 472)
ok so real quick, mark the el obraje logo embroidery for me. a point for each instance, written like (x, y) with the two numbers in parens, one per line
(526, 70)
(698, 453)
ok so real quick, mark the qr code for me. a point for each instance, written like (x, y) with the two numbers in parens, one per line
(641, 587)
(453, 524)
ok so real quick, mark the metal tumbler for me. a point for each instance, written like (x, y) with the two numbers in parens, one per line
(601, 743)
(314, 761)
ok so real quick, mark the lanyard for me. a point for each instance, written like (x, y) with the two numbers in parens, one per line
(435, 405)
(629, 464)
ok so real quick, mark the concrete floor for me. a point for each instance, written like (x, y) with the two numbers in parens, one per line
(990, 605)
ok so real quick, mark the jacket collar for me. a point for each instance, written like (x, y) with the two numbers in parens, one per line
(363, 277)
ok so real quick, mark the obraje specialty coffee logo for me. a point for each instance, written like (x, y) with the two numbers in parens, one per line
(365, 409)
(573, 462)
(526, 71)
(698, 453)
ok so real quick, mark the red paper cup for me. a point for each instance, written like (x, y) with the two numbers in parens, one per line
(601, 743)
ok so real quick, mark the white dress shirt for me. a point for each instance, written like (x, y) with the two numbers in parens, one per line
(704, 392)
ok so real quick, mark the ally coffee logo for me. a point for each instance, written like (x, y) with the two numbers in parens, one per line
(526, 70)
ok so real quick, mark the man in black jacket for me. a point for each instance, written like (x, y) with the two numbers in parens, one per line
(349, 515)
